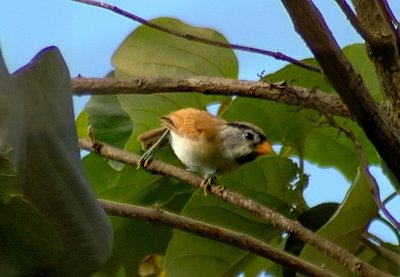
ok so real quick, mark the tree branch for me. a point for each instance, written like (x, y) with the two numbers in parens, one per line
(276, 55)
(391, 21)
(350, 261)
(279, 92)
(310, 24)
(364, 165)
(355, 22)
(213, 232)
(375, 16)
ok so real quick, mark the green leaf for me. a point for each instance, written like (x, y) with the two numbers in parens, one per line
(26, 238)
(305, 133)
(109, 121)
(269, 181)
(380, 261)
(347, 225)
(134, 240)
(297, 76)
(358, 56)
(132, 185)
(326, 147)
(82, 124)
(8, 177)
(356, 53)
(148, 52)
(313, 219)
(46, 155)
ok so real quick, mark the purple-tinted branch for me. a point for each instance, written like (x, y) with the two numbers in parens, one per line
(276, 55)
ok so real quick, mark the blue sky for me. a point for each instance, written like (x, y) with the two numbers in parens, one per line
(87, 37)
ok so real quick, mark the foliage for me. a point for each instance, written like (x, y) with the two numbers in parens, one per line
(55, 188)
(274, 180)
(50, 221)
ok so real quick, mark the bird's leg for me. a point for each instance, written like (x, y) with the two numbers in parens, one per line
(145, 159)
(206, 184)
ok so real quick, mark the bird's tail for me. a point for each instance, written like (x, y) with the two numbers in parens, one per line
(149, 138)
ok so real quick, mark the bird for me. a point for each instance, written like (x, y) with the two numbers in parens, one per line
(206, 144)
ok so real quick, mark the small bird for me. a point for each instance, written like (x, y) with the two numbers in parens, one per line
(206, 144)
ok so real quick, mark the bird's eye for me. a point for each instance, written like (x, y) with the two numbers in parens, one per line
(248, 135)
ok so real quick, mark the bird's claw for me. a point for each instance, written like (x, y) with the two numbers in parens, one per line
(145, 160)
(206, 184)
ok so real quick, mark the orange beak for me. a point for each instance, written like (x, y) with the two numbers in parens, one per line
(264, 148)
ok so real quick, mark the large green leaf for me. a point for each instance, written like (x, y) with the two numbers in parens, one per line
(380, 261)
(109, 122)
(28, 242)
(268, 181)
(347, 225)
(134, 240)
(41, 133)
(148, 52)
(356, 53)
(306, 131)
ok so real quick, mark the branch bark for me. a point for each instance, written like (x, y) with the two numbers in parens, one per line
(350, 261)
(213, 232)
(279, 92)
(375, 16)
(310, 24)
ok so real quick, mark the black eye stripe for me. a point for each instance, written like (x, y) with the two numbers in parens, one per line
(246, 126)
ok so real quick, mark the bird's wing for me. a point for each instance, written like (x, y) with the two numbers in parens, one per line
(193, 123)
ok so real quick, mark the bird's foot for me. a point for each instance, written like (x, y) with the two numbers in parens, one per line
(206, 184)
(145, 159)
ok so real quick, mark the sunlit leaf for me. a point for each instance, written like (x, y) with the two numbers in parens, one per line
(308, 139)
(148, 52)
(356, 53)
(267, 181)
(109, 122)
(347, 225)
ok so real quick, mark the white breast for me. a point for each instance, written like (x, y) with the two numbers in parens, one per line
(198, 156)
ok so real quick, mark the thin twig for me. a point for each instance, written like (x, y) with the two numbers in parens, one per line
(213, 232)
(390, 197)
(344, 257)
(357, 25)
(364, 164)
(383, 251)
(390, 226)
(279, 92)
(276, 55)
